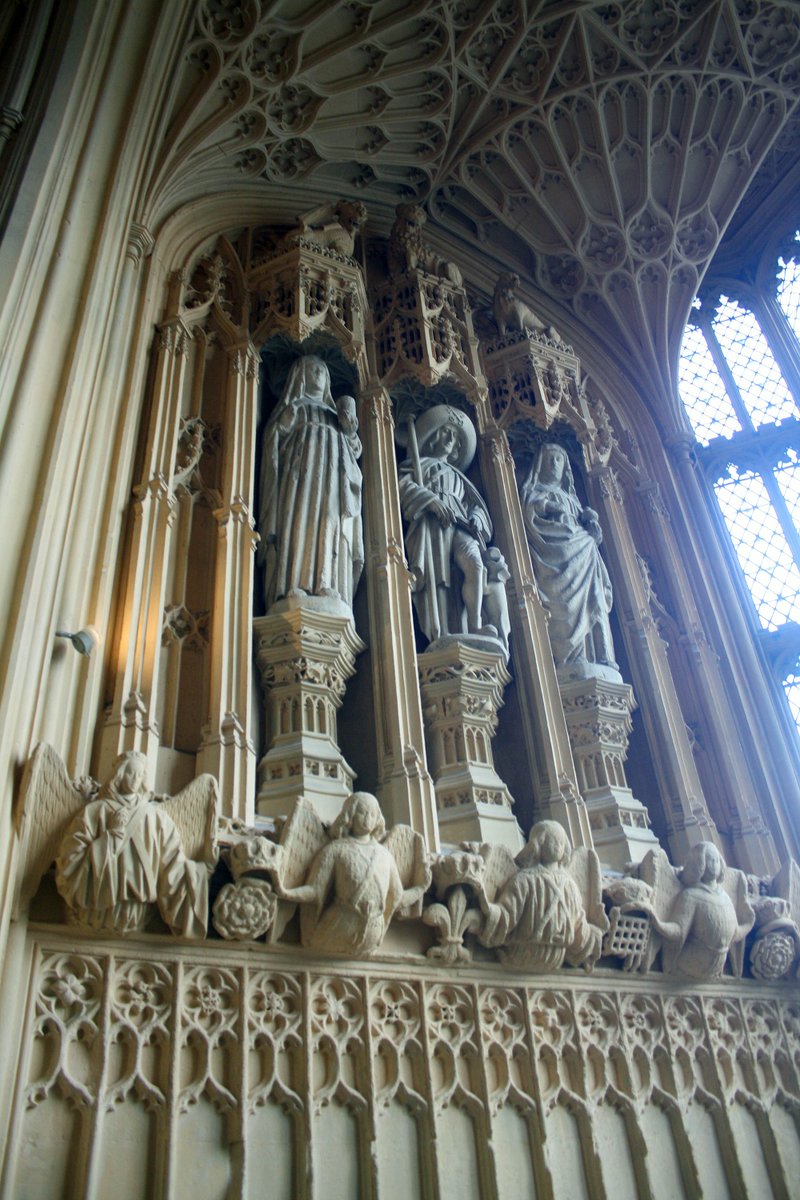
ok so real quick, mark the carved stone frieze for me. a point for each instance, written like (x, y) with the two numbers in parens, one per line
(254, 1047)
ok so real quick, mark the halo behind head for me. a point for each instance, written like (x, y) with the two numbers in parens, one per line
(431, 421)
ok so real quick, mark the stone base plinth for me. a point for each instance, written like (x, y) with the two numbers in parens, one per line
(462, 689)
(305, 657)
(598, 715)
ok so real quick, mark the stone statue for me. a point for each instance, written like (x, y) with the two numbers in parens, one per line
(355, 877)
(459, 580)
(331, 226)
(122, 855)
(570, 574)
(408, 252)
(701, 916)
(513, 315)
(310, 514)
(549, 909)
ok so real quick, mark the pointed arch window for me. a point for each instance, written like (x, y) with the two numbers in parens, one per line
(740, 384)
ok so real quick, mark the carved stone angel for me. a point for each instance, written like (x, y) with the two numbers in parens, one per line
(700, 917)
(355, 876)
(123, 855)
(544, 907)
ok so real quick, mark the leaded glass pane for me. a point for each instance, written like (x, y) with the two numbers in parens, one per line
(707, 404)
(752, 364)
(792, 685)
(787, 474)
(765, 558)
(789, 291)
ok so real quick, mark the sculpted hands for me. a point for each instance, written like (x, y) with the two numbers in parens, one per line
(441, 512)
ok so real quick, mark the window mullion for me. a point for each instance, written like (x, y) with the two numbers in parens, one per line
(781, 338)
(721, 363)
(784, 516)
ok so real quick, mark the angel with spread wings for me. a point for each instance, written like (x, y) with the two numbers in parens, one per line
(544, 906)
(700, 916)
(355, 877)
(124, 854)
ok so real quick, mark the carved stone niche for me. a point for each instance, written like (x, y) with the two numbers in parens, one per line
(462, 689)
(598, 715)
(305, 656)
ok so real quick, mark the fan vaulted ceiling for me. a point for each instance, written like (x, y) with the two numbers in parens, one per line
(600, 148)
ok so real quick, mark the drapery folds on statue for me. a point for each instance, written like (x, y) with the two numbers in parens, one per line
(310, 512)
(571, 576)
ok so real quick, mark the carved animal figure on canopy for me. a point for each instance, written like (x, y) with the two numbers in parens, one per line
(700, 916)
(310, 512)
(407, 251)
(511, 313)
(448, 528)
(570, 574)
(124, 855)
(331, 226)
(355, 876)
(543, 907)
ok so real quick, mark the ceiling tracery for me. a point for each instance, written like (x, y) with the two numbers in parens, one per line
(599, 147)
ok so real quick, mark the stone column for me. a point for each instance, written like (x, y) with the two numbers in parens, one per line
(462, 691)
(556, 792)
(305, 654)
(598, 715)
(685, 806)
(737, 705)
(405, 788)
(227, 749)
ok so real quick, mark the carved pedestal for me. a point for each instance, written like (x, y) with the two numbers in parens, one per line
(462, 690)
(305, 657)
(598, 713)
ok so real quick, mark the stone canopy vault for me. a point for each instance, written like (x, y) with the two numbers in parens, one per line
(423, 820)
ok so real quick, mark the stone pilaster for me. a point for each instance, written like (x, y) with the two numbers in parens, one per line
(598, 715)
(305, 656)
(462, 690)
(131, 723)
(227, 749)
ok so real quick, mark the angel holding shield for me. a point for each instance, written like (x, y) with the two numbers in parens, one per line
(122, 855)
